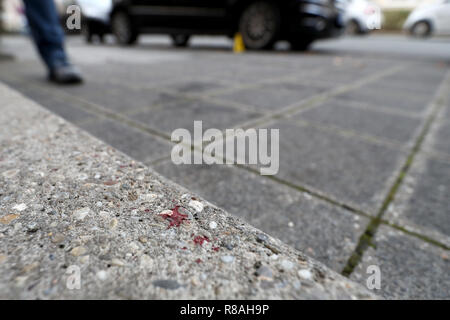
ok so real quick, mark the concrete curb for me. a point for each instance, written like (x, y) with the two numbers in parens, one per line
(69, 203)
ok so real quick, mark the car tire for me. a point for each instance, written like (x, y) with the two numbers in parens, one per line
(180, 40)
(123, 29)
(421, 29)
(300, 44)
(259, 25)
(353, 28)
(87, 32)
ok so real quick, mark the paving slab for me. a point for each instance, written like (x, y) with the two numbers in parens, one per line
(182, 115)
(73, 206)
(422, 203)
(327, 233)
(272, 97)
(441, 133)
(346, 168)
(67, 108)
(423, 80)
(393, 127)
(415, 103)
(139, 145)
(116, 98)
(410, 268)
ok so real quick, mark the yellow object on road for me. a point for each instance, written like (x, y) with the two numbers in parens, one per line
(238, 45)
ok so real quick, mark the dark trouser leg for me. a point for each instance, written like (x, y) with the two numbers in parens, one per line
(46, 31)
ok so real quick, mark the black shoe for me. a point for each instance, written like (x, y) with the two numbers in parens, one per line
(67, 74)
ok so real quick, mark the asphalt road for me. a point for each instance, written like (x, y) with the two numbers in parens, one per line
(364, 127)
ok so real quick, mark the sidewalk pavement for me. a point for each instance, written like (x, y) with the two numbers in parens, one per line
(364, 152)
(72, 206)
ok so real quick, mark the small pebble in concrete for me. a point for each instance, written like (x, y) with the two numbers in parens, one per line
(286, 265)
(117, 262)
(58, 237)
(80, 214)
(102, 275)
(20, 207)
(290, 224)
(261, 238)
(10, 173)
(227, 259)
(82, 176)
(113, 224)
(8, 218)
(264, 273)
(165, 213)
(229, 246)
(148, 197)
(146, 262)
(212, 225)
(305, 274)
(167, 284)
(32, 227)
(78, 251)
(196, 205)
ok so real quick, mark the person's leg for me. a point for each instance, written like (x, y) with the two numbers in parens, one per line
(49, 39)
(46, 31)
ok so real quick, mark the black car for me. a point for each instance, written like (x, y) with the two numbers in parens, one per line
(260, 22)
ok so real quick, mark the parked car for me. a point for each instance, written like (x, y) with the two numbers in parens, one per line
(260, 22)
(431, 19)
(361, 16)
(95, 18)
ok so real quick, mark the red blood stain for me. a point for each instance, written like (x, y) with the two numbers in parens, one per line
(198, 260)
(176, 218)
(199, 240)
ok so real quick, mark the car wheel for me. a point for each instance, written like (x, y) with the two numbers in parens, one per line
(300, 44)
(421, 29)
(180, 40)
(123, 29)
(259, 25)
(86, 31)
(352, 28)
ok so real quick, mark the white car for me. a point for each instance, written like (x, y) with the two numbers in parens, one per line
(429, 19)
(95, 18)
(360, 16)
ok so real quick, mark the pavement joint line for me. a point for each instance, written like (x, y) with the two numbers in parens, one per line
(320, 98)
(438, 155)
(423, 237)
(367, 237)
(158, 161)
(106, 113)
(260, 84)
(371, 107)
(353, 134)
(310, 191)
